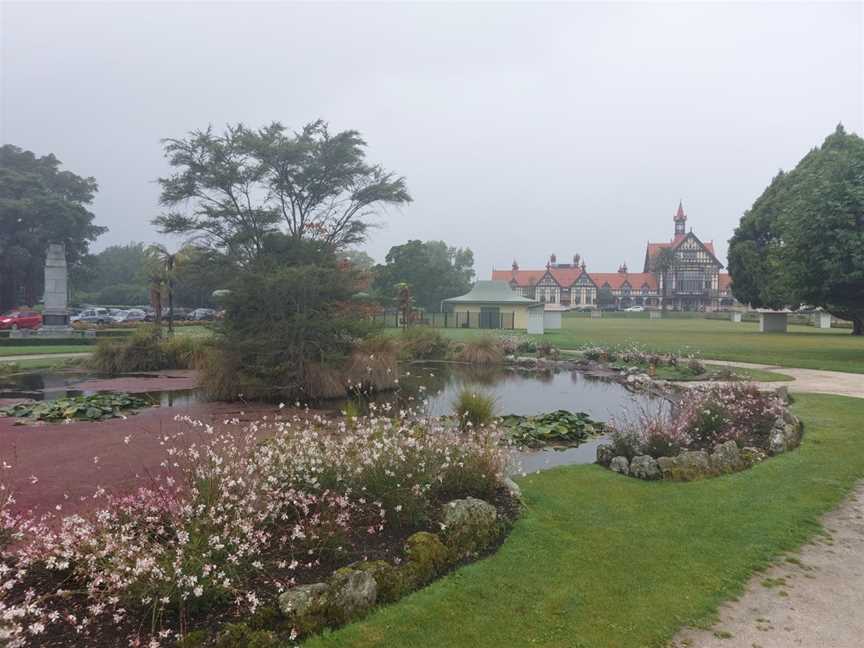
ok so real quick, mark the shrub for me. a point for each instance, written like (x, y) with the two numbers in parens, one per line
(422, 343)
(695, 367)
(486, 350)
(738, 412)
(547, 350)
(720, 413)
(290, 321)
(474, 408)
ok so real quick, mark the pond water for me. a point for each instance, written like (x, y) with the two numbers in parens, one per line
(433, 387)
(429, 388)
(49, 385)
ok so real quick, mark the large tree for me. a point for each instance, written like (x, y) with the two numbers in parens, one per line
(244, 184)
(432, 269)
(113, 276)
(39, 204)
(802, 242)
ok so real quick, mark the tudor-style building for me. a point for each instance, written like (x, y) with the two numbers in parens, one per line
(687, 278)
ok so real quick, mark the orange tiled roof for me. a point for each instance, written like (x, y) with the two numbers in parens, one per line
(654, 248)
(522, 277)
(617, 279)
(724, 281)
(566, 277)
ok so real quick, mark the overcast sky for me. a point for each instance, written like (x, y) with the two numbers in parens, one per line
(522, 129)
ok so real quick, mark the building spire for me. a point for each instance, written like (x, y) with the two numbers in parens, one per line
(680, 219)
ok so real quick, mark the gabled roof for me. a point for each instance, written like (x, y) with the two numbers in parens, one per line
(724, 280)
(653, 248)
(491, 292)
(521, 277)
(564, 276)
(617, 279)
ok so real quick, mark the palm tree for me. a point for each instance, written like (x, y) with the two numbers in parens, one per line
(163, 272)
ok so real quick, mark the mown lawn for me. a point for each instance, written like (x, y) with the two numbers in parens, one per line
(604, 561)
(802, 346)
(43, 363)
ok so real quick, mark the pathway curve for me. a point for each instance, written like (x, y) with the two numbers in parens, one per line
(43, 356)
(811, 381)
(813, 598)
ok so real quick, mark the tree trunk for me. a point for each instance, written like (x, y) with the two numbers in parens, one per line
(7, 290)
(170, 308)
(857, 325)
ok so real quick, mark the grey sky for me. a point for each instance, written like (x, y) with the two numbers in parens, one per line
(522, 129)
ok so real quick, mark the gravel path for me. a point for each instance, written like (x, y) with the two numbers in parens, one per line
(811, 381)
(812, 599)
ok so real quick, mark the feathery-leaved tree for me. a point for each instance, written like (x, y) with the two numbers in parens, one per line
(243, 184)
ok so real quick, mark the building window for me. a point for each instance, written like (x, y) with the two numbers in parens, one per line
(692, 281)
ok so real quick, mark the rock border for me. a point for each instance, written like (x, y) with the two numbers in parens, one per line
(691, 465)
(468, 527)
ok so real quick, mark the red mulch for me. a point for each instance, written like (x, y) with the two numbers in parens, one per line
(62, 456)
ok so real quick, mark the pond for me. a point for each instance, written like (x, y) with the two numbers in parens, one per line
(433, 387)
(429, 388)
(49, 385)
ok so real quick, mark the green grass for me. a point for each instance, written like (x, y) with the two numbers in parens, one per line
(759, 375)
(43, 363)
(682, 374)
(194, 330)
(802, 346)
(605, 561)
(7, 352)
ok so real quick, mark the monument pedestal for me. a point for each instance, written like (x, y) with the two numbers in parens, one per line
(55, 316)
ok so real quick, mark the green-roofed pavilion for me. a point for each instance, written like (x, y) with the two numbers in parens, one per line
(493, 304)
(491, 292)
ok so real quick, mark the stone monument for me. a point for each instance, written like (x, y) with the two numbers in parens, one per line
(55, 316)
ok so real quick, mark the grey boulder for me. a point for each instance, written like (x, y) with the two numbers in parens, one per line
(645, 467)
(620, 465)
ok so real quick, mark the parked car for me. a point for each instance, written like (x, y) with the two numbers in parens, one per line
(20, 320)
(131, 315)
(93, 316)
(635, 309)
(200, 314)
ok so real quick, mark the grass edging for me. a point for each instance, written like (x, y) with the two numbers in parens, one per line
(602, 560)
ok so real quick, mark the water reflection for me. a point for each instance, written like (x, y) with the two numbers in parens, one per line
(434, 387)
(530, 461)
(52, 385)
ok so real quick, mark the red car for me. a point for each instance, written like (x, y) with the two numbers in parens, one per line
(20, 320)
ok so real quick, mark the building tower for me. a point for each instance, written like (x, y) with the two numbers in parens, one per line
(680, 220)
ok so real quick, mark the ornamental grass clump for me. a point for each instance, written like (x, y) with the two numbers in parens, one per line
(422, 343)
(236, 517)
(474, 408)
(485, 350)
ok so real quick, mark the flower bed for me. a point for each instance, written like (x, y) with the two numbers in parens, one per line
(233, 524)
(716, 430)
